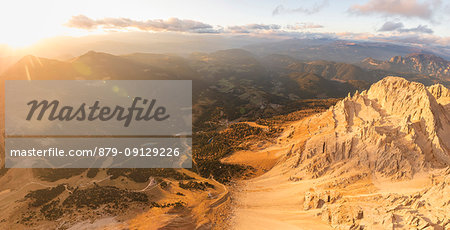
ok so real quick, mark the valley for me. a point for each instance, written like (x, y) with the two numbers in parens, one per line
(225, 115)
(277, 143)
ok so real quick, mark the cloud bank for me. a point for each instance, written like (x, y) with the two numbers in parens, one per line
(404, 8)
(390, 26)
(304, 26)
(280, 9)
(253, 27)
(181, 25)
(392, 31)
(171, 24)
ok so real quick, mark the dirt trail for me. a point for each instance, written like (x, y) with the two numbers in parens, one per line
(271, 201)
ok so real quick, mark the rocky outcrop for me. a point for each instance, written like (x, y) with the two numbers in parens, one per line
(315, 200)
(343, 216)
(439, 91)
(396, 128)
(441, 94)
(426, 209)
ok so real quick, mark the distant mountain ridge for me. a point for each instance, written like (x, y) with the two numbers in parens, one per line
(327, 69)
(336, 50)
(234, 81)
(270, 74)
(420, 63)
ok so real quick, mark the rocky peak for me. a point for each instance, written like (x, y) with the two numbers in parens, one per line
(396, 59)
(441, 94)
(371, 62)
(401, 98)
(396, 128)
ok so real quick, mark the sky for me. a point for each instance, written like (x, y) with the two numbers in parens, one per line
(24, 23)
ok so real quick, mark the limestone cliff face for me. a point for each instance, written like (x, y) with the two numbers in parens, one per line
(396, 128)
(441, 94)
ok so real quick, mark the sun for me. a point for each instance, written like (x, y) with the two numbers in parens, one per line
(26, 37)
(18, 42)
(24, 23)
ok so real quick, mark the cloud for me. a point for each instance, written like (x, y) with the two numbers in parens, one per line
(404, 8)
(280, 9)
(419, 29)
(419, 40)
(413, 39)
(390, 26)
(82, 22)
(253, 27)
(171, 24)
(271, 28)
(303, 26)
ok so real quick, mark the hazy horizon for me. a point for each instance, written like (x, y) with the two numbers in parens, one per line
(160, 26)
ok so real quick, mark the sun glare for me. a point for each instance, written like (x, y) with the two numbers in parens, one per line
(19, 42)
(24, 23)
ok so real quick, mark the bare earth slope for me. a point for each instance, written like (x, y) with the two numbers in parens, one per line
(376, 160)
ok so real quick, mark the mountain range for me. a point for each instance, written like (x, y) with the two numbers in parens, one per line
(426, 64)
(338, 50)
(377, 158)
(253, 84)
